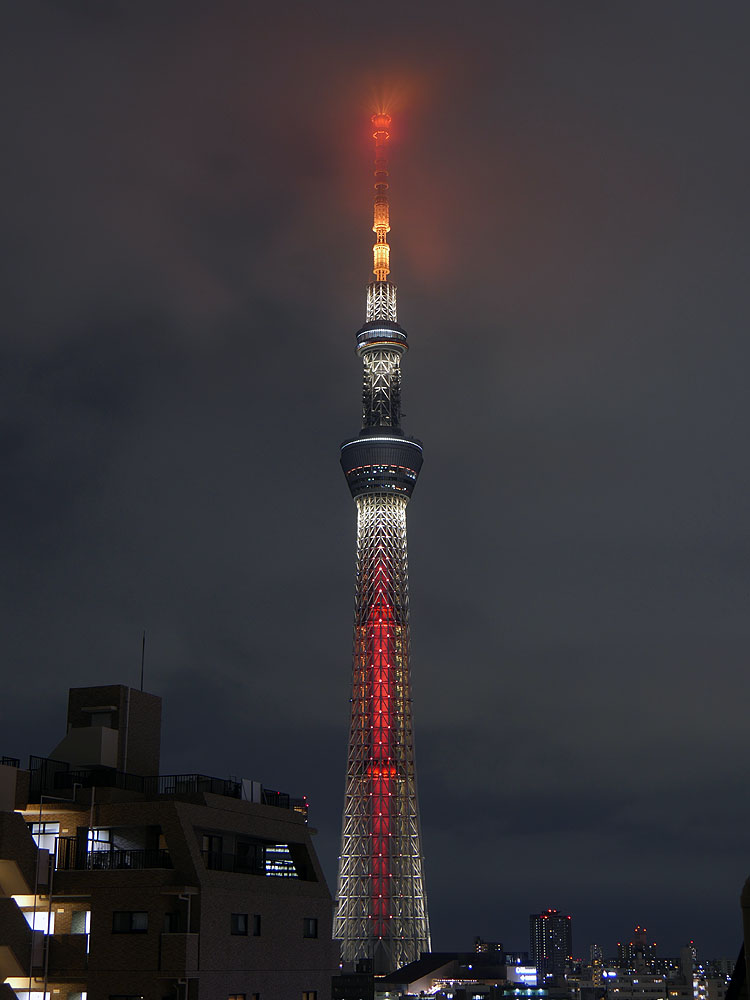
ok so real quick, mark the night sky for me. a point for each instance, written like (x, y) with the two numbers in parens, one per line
(186, 243)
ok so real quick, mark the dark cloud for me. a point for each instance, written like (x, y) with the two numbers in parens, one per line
(185, 238)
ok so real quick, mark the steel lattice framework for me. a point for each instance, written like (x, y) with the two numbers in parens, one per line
(382, 907)
(381, 393)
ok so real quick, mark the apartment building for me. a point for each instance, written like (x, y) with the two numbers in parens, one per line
(118, 883)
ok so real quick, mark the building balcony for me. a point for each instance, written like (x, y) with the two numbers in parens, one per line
(269, 860)
(20, 947)
(68, 954)
(70, 858)
(22, 866)
(246, 864)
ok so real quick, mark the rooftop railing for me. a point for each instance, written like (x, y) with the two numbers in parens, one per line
(50, 777)
(57, 779)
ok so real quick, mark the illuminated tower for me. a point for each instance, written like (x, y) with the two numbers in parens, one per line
(382, 907)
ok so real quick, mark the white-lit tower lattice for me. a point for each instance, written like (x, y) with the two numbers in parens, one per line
(382, 907)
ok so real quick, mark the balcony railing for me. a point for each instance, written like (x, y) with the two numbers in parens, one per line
(261, 859)
(10, 761)
(248, 864)
(71, 858)
(188, 784)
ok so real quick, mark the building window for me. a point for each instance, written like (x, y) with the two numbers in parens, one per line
(129, 922)
(176, 923)
(250, 858)
(310, 995)
(45, 835)
(310, 927)
(80, 922)
(279, 861)
(99, 839)
(40, 920)
(211, 850)
(238, 923)
(256, 925)
(101, 719)
(238, 996)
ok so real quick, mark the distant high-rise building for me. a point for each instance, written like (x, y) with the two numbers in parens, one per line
(483, 947)
(688, 960)
(596, 960)
(638, 953)
(551, 941)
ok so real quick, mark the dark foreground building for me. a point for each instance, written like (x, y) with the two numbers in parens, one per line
(120, 884)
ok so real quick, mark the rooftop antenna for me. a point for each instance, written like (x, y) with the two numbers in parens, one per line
(143, 655)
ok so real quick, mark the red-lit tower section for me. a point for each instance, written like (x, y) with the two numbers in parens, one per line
(382, 907)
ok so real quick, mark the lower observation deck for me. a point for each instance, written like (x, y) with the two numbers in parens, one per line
(381, 462)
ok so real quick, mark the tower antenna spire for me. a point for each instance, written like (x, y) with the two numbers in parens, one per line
(381, 252)
(381, 293)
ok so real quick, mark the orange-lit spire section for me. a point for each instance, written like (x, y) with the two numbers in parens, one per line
(381, 293)
(380, 226)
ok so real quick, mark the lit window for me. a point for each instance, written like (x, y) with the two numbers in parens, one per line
(45, 834)
(279, 861)
(37, 920)
(99, 839)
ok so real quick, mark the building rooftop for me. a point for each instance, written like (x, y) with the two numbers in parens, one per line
(56, 778)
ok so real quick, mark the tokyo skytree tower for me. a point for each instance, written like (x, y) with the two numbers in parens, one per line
(382, 906)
